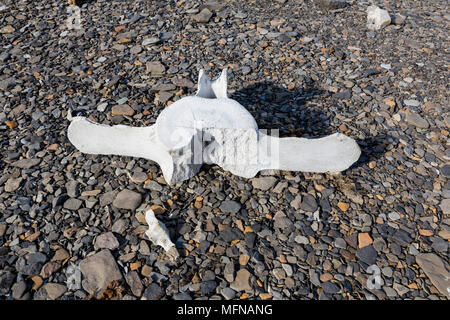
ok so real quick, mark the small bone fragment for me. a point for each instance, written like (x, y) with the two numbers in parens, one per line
(159, 235)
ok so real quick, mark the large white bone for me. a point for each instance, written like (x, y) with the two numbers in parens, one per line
(212, 128)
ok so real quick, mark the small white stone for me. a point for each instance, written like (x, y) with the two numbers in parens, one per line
(377, 18)
(102, 106)
(411, 102)
(397, 117)
(408, 79)
(386, 66)
(394, 216)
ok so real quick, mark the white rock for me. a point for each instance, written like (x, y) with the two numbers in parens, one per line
(102, 106)
(377, 18)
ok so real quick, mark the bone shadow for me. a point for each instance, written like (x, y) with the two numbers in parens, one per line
(295, 114)
(289, 111)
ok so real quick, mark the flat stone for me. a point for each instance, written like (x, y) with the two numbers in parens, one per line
(301, 239)
(127, 199)
(37, 257)
(230, 206)
(231, 234)
(164, 87)
(228, 272)
(18, 289)
(153, 185)
(60, 255)
(49, 268)
(122, 110)
(151, 41)
(135, 49)
(445, 171)
(401, 290)
(72, 188)
(106, 240)
(108, 198)
(398, 19)
(364, 240)
(182, 296)
(2, 229)
(309, 203)
(367, 255)
(12, 184)
(120, 226)
(402, 237)
(99, 270)
(416, 120)
(228, 293)
(203, 16)
(155, 68)
(411, 103)
(394, 216)
(330, 4)
(263, 183)
(54, 290)
(440, 245)
(445, 206)
(330, 287)
(153, 292)
(208, 287)
(390, 292)
(163, 97)
(352, 240)
(102, 106)
(241, 281)
(296, 203)
(134, 281)
(282, 223)
(280, 187)
(7, 29)
(26, 163)
(437, 270)
(72, 204)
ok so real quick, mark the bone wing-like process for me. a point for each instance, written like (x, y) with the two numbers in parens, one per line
(333, 153)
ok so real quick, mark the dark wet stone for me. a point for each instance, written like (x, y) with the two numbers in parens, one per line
(367, 255)
(231, 234)
(402, 237)
(153, 292)
(6, 281)
(445, 170)
(331, 4)
(309, 203)
(230, 206)
(330, 287)
(208, 287)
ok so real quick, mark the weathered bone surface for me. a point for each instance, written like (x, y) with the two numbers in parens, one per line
(159, 235)
(212, 128)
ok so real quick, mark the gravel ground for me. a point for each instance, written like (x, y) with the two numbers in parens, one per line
(72, 225)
